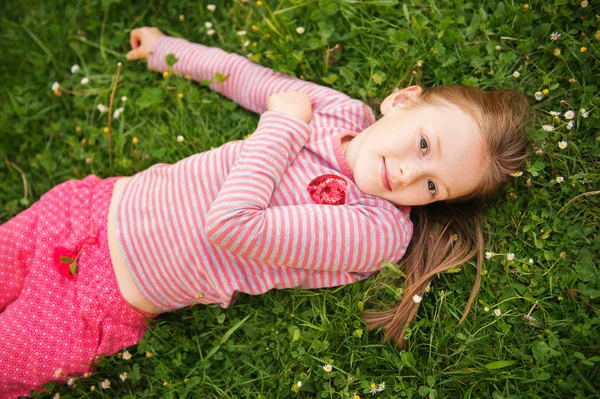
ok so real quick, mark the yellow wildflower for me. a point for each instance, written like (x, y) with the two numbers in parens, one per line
(180, 95)
(556, 52)
(105, 129)
(526, 6)
(545, 91)
(135, 140)
(583, 49)
(259, 3)
(165, 74)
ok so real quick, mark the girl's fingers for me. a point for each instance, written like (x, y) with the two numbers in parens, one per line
(134, 38)
(134, 54)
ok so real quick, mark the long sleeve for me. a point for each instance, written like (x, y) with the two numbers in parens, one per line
(351, 237)
(248, 84)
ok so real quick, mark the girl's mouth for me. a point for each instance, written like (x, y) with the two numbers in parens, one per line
(384, 176)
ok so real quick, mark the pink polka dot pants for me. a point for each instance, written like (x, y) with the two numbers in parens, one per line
(53, 323)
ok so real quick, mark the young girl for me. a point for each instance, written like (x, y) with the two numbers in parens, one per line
(318, 196)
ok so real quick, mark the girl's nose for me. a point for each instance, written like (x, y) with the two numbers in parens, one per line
(407, 174)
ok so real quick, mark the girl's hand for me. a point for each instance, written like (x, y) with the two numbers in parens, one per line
(291, 103)
(142, 40)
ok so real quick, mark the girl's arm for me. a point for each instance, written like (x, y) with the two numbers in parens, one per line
(353, 237)
(248, 83)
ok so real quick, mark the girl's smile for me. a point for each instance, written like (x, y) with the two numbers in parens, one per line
(417, 155)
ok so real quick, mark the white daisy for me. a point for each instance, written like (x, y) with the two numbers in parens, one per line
(516, 74)
(570, 125)
(510, 256)
(548, 128)
(241, 32)
(75, 68)
(299, 384)
(539, 95)
(246, 43)
(118, 112)
(55, 86)
(531, 261)
(497, 312)
(555, 113)
(373, 390)
(562, 145)
(124, 99)
(211, 7)
(381, 387)
(123, 376)
(105, 384)
(560, 179)
(180, 139)
(417, 298)
(328, 368)
(300, 30)
(488, 255)
(210, 32)
(487, 309)
(498, 47)
(208, 25)
(102, 108)
(126, 355)
(58, 373)
(569, 114)
(85, 81)
(56, 396)
(71, 381)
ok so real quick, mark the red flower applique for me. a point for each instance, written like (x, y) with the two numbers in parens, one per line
(328, 190)
(65, 259)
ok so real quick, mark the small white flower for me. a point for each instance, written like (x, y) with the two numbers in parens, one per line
(180, 139)
(126, 355)
(570, 125)
(118, 112)
(124, 99)
(56, 396)
(548, 128)
(569, 114)
(75, 68)
(208, 25)
(71, 381)
(417, 298)
(487, 309)
(299, 384)
(300, 30)
(123, 376)
(562, 145)
(328, 368)
(248, 55)
(89, 160)
(510, 256)
(560, 179)
(246, 43)
(498, 47)
(58, 373)
(85, 81)
(488, 255)
(373, 390)
(105, 384)
(497, 312)
(55, 86)
(102, 108)
(516, 74)
(555, 113)
(517, 174)
(381, 387)
(211, 7)
(241, 32)
(539, 95)
(531, 261)
(210, 32)
(584, 114)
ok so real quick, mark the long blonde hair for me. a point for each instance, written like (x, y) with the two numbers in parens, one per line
(448, 234)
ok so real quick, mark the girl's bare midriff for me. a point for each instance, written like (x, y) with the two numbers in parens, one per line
(127, 286)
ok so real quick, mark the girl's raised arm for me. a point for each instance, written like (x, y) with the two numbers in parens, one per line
(353, 237)
(248, 83)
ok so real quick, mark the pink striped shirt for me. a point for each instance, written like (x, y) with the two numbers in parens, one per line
(239, 218)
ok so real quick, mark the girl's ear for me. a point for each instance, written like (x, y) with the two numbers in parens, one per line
(398, 98)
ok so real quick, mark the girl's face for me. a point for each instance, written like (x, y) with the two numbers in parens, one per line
(415, 156)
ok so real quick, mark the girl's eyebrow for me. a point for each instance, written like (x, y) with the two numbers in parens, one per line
(439, 151)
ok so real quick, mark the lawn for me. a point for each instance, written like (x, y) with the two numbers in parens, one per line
(534, 330)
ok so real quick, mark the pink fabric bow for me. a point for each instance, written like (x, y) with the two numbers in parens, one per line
(328, 190)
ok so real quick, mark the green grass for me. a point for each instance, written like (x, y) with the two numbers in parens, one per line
(545, 343)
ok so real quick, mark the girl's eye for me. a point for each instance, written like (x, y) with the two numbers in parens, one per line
(431, 187)
(424, 145)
